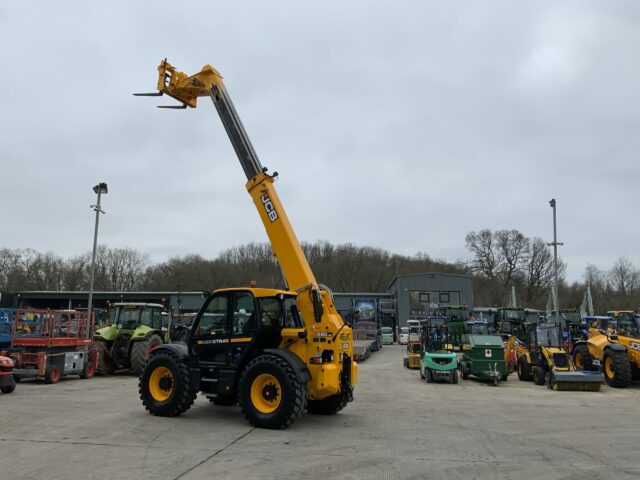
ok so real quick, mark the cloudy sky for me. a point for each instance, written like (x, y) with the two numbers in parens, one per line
(400, 125)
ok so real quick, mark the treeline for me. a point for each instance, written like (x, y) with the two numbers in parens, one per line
(499, 260)
(344, 267)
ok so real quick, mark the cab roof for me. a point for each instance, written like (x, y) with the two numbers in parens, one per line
(259, 292)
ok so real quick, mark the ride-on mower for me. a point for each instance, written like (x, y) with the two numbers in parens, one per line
(542, 358)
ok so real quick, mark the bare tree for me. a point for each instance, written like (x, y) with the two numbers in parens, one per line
(624, 277)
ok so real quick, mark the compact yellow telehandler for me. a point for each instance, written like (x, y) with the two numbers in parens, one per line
(275, 352)
(614, 346)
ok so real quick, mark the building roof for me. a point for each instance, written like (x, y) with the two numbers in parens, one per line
(440, 274)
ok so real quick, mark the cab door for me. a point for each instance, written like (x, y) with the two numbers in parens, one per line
(244, 324)
(210, 332)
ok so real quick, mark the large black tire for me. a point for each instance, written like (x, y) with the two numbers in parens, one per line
(224, 400)
(539, 376)
(279, 401)
(582, 358)
(524, 369)
(140, 352)
(454, 376)
(165, 385)
(105, 362)
(8, 388)
(616, 368)
(464, 371)
(328, 406)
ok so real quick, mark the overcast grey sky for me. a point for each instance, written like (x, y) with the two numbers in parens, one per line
(400, 125)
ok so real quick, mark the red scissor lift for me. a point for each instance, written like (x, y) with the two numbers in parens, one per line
(49, 344)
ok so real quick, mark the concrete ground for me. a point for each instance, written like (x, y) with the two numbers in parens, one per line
(399, 427)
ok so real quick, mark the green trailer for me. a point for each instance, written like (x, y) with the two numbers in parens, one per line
(484, 359)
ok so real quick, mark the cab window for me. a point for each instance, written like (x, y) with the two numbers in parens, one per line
(214, 317)
(243, 314)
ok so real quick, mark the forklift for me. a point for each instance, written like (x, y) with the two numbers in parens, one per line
(438, 362)
(274, 352)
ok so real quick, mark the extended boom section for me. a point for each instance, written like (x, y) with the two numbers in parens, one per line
(318, 349)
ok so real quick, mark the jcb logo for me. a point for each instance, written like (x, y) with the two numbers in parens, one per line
(634, 346)
(268, 206)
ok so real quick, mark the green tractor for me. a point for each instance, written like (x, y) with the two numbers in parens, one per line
(439, 361)
(135, 329)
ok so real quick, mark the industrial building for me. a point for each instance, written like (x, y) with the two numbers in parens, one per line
(407, 296)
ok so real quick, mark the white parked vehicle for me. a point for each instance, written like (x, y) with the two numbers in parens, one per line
(403, 339)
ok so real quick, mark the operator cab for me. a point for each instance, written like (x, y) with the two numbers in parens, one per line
(234, 325)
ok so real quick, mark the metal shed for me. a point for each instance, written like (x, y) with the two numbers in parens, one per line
(415, 293)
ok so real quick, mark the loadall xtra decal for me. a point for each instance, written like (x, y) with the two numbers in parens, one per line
(268, 206)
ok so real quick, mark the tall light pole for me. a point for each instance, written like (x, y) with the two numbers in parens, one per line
(99, 190)
(555, 244)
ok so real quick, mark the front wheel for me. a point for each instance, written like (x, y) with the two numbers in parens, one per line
(140, 352)
(539, 376)
(88, 371)
(165, 385)
(454, 376)
(616, 369)
(270, 394)
(52, 374)
(8, 388)
(105, 362)
(582, 358)
(524, 369)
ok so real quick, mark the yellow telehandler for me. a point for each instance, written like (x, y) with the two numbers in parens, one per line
(275, 352)
(613, 346)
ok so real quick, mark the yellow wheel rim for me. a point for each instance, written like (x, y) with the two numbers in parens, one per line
(579, 362)
(161, 384)
(609, 367)
(266, 393)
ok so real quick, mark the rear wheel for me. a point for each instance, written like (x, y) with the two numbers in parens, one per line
(88, 371)
(582, 358)
(616, 369)
(105, 362)
(165, 385)
(524, 369)
(539, 376)
(52, 374)
(140, 352)
(270, 394)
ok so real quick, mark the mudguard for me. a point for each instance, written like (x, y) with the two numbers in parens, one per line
(616, 347)
(299, 367)
(180, 350)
